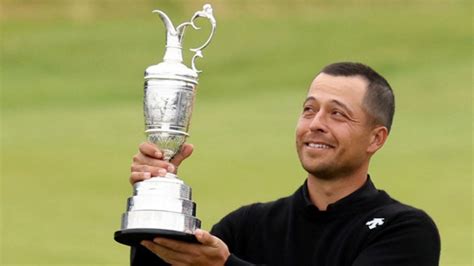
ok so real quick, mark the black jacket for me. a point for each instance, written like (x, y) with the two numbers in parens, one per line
(365, 228)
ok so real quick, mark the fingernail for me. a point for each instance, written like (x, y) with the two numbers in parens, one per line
(146, 175)
(158, 154)
(162, 172)
(157, 240)
(170, 168)
(143, 243)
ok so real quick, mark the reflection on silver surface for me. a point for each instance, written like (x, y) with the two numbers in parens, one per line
(167, 108)
(168, 186)
(160, 219)
(161, 203)
(152, 202)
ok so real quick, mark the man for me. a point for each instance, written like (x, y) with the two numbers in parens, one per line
(337, 217)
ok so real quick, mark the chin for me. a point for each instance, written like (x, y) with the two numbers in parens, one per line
(323, 175)
(320, 172)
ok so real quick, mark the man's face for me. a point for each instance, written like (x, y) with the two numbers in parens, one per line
(333, 132)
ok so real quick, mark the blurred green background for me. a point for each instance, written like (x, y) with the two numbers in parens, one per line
(71, 111)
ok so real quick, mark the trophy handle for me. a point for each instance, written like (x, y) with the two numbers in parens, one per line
(206, 12)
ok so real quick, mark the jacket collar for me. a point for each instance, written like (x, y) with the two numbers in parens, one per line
(363, 197)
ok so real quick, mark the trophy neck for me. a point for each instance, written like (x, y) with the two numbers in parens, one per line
(174, 37)
(173, 54)
(168, 154)
(173, 50)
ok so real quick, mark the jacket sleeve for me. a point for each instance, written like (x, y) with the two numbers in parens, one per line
(232, 230)
(235, 261)
(140, 256)
(409, 239)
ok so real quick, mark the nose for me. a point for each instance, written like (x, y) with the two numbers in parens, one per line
(319, 123)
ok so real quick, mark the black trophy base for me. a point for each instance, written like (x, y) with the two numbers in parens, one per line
(133, 237)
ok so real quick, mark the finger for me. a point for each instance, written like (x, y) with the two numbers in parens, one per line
(142, 159)
(170, 256)
(138, 176)
(185, 152)
(206, 238)
(150, 150)
(154, 171)
(175, 245)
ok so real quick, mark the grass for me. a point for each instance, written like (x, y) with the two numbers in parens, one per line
(71, 89)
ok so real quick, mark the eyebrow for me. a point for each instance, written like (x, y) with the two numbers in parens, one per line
(343, 106)
(310, 98)
(336, 102)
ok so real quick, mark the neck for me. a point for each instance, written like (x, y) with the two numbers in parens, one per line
(323, 192)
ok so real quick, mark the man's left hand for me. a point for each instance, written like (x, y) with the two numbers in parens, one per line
(211, 251)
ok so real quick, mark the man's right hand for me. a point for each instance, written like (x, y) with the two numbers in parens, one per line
(148, 162)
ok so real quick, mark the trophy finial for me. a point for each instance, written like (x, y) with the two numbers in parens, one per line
(173, 39)
(174, 36)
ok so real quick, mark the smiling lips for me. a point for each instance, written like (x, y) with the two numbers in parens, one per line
(318, 145)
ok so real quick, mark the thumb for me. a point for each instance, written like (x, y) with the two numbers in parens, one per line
(206, 238)
(185, 152)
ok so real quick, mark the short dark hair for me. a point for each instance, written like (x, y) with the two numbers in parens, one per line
(379, 100)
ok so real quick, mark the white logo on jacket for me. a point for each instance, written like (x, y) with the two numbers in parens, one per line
(374, 223)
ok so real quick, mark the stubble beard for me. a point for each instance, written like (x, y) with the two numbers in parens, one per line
(328, 171)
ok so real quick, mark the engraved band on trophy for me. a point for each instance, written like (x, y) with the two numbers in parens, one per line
(163, 205)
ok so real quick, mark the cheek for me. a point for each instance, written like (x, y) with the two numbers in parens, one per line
(348, 138)
(341, 131)
(355, 141)
(301, 127)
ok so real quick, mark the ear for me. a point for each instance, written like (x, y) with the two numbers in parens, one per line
(378, 136)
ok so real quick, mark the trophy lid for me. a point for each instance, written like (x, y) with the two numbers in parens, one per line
(171, 70)
(172, 66)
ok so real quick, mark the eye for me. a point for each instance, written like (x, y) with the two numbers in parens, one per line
(339, 113)
(308, 111)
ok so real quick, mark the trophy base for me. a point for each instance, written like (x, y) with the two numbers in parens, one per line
(133, 237)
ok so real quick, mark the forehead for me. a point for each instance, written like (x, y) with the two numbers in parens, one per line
(349, 90)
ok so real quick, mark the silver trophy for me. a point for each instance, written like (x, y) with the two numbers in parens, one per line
(162, 206)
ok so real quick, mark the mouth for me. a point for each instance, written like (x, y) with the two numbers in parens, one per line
(318, 145)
